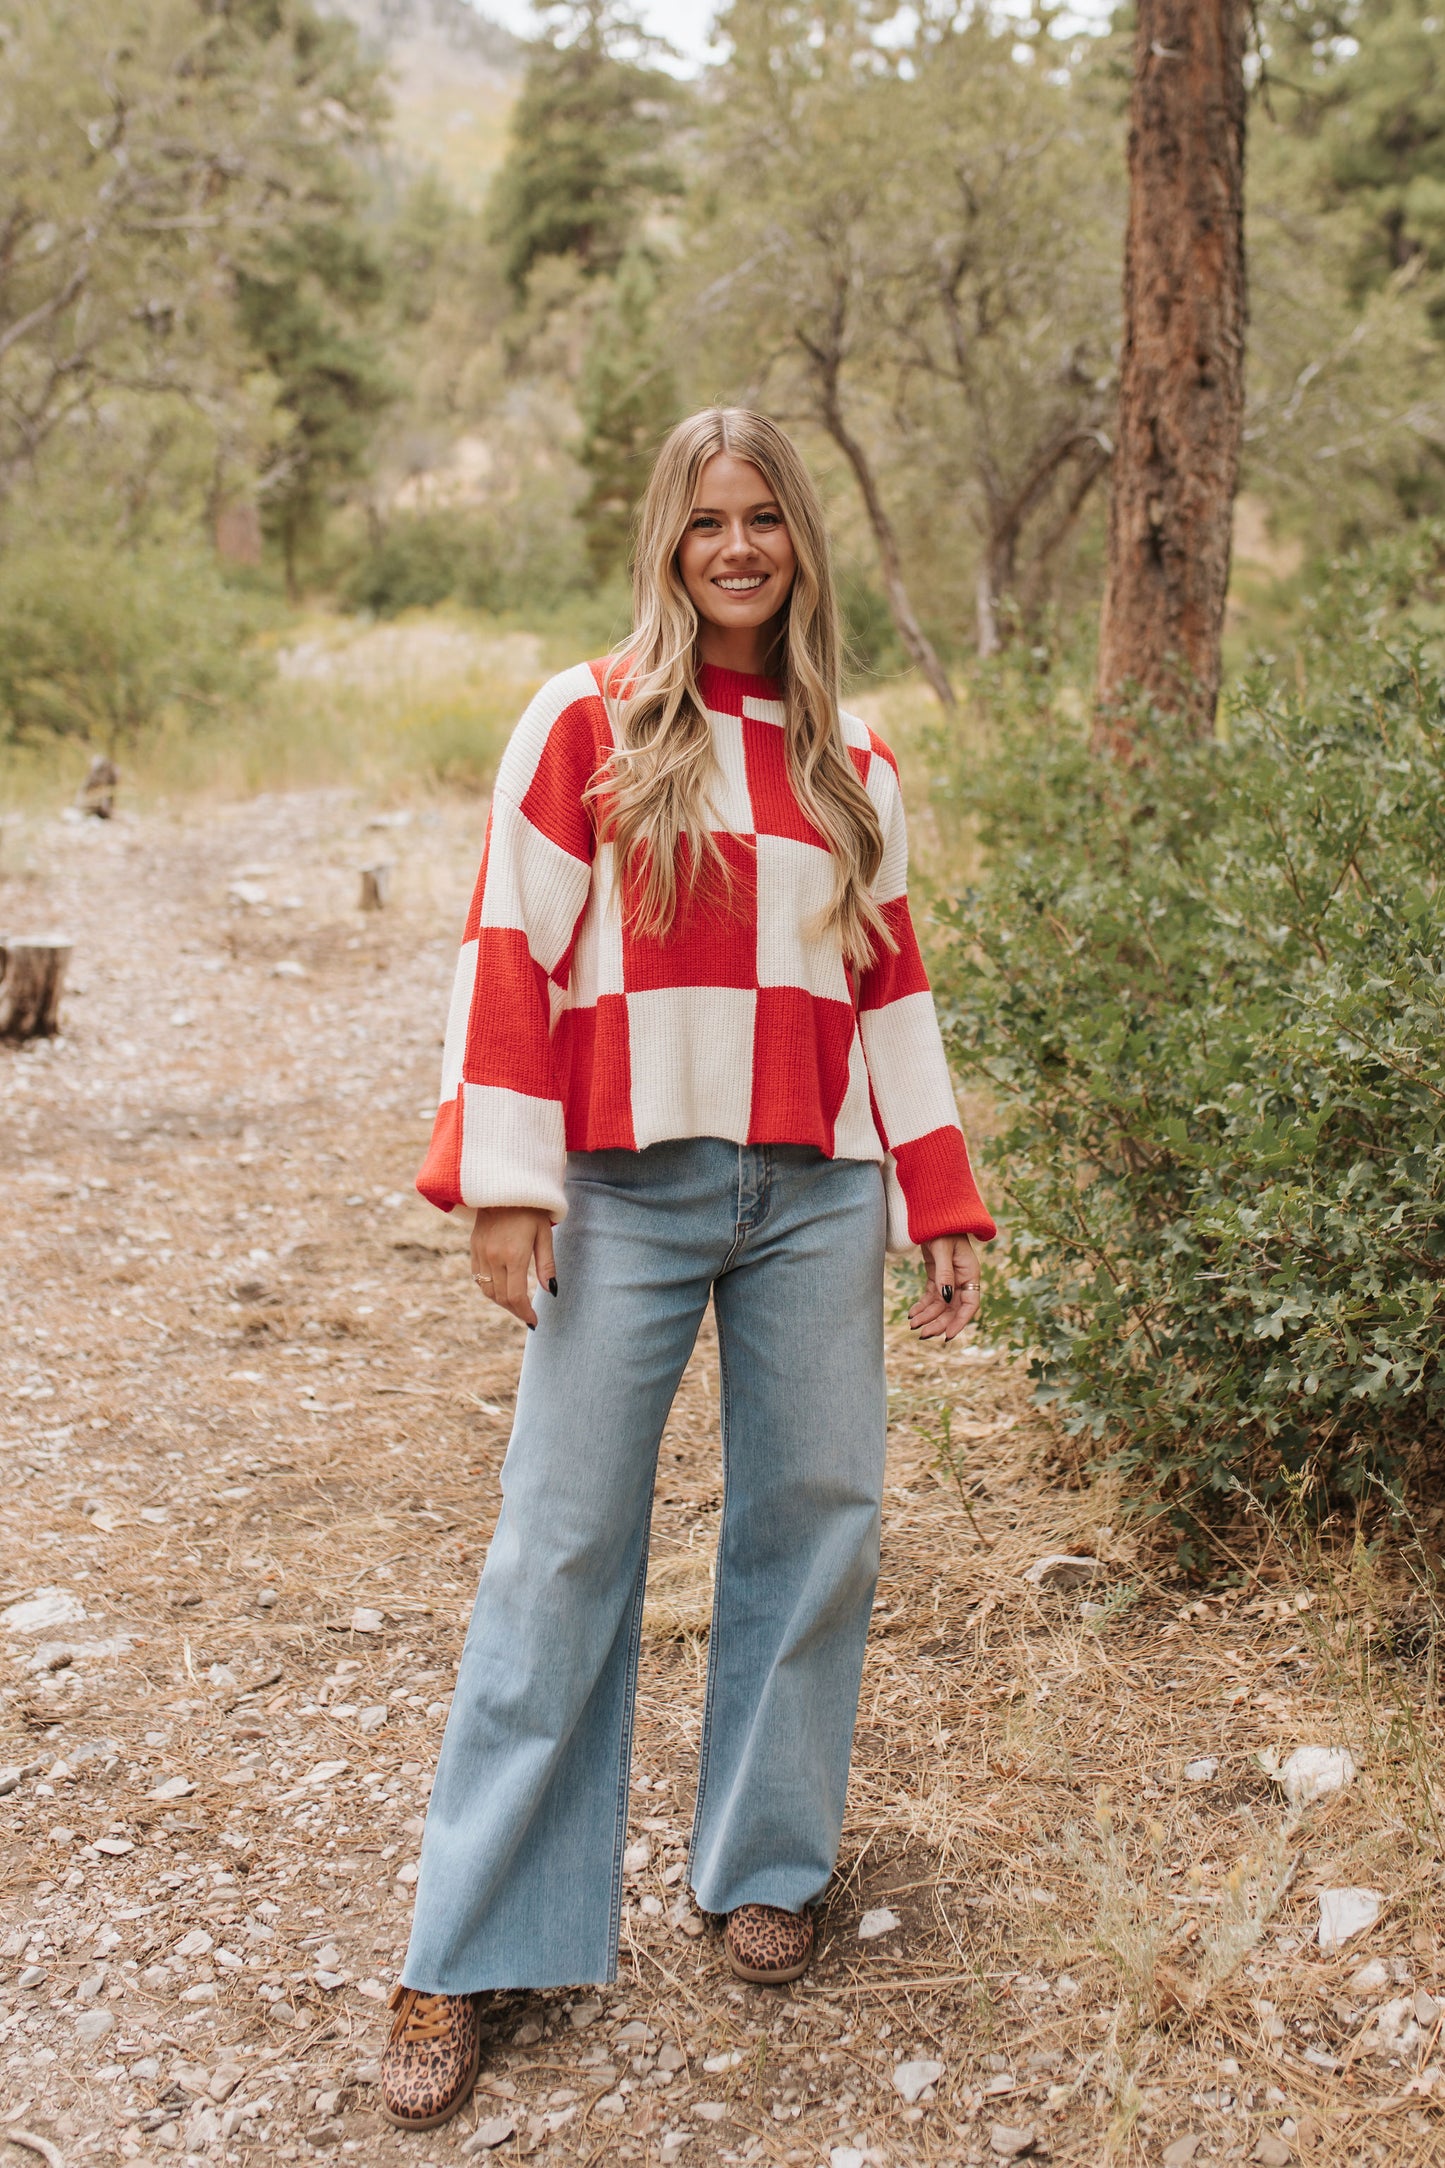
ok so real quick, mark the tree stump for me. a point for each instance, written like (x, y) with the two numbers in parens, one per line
(31, 976)
(97, 793)
(375, 881)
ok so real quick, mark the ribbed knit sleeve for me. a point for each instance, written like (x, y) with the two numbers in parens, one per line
(931, 1188)
(499, 1135)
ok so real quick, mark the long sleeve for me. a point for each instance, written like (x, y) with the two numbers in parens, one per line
(499, 1135)
(931, 1190)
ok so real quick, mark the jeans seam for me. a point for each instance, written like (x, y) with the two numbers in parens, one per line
(705, 1737)
(624, 1758)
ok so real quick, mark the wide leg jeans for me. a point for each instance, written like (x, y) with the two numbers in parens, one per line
(521, 1863)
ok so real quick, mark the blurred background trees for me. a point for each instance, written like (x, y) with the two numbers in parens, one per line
(382, 305)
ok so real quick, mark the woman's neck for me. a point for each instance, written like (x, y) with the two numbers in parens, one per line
(746, 649)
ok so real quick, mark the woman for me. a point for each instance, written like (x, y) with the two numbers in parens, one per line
(691, 1053)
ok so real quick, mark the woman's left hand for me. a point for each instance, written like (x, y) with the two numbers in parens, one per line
(951, 1299)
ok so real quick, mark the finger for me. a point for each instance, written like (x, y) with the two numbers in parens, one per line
(513, 1293)
(941, 1265)
(546, 1261)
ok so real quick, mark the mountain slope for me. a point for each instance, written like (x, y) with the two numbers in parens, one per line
(453, 74)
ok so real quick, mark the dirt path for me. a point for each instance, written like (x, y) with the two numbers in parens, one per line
(253, 1416)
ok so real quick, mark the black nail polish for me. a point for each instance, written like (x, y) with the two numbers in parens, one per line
(947, 1293)
(551, 1287)
(531, 1328)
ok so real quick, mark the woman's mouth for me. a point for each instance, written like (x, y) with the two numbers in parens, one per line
(747, 584)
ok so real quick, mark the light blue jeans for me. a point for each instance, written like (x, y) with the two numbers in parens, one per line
(521, 1864)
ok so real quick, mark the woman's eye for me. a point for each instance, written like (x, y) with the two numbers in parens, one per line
(769, 519)
(703, 521)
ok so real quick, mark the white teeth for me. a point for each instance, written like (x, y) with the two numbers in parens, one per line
(742, 587)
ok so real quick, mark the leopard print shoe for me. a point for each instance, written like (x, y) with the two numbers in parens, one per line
(767, 1945)
(430, 2063)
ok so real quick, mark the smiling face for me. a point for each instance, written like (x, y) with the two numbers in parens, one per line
(737, 562)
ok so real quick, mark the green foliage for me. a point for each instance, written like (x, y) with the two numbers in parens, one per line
(628, 400)
(525, 558)
(151, 151)
(588, 155)
(103, 643)
(1207, 991)
(424, 558)
(304, 314)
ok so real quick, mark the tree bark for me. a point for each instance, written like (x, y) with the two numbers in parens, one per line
(1181, 396)
(31, 976)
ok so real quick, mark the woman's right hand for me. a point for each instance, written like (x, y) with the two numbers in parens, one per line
(506, 1239)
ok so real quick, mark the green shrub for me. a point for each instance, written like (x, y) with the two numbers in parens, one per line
(102, 643)
(1208, 991)
(421, 559)
(525, 558)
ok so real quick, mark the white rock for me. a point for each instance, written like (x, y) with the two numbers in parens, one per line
(173, 1788)
(878, 1922)
(372, 1719)
(846, 2156)
(114, 1847)
(46, 1608)
(366, 1621)
(203, 1991)
(325, 1772)
(250, 893)
(673, 2142)
(495, 2131)
(407, 1873)
(728, 2060)
(196, 1944)
(288, 968)
(1394, 2030)
(911, 2079)
(711, 2111)
(1010, 2143)
(1345, 1913)
(1370, 1977)
(1062, 1569)
(584, 2014)
(1202, 1771)
(1310, 1772)
(94, 2024)
(328, 1957)
(637, 1857)
(1182, 2150)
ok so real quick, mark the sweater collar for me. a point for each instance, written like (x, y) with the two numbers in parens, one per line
(726, 689)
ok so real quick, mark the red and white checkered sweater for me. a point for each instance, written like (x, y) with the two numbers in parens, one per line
(568, 1031)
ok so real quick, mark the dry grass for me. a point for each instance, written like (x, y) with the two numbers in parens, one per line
(242, 1359)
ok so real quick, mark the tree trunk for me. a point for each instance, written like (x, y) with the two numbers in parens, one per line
(31, 976)
(1181, 395)
(918, 646)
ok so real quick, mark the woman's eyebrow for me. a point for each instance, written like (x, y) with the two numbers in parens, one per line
(765, 504)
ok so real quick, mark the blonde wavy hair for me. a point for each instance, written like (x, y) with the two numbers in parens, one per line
(655, 790)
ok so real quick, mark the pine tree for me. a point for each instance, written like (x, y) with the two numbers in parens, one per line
(628, 400)
(589, 144)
